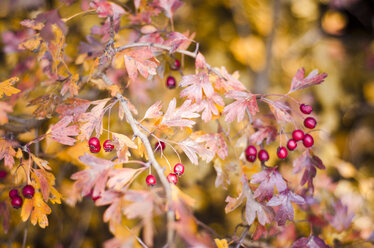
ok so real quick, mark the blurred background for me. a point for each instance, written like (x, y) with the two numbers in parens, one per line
(266, 41)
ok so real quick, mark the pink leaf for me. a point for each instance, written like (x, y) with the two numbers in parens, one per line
(310, 162)
(178, 40)
(310, 242)
(341, 219)
(170, 6)
(180, 117)
(191, 148)
(280, 111)
(264, 132)
(93, 120)
(141, 60)
(93, 177)
(119, 178)
(229, 82)
(238, 108)
(208, 107)
(200, 62)
(154, 111)
(214, 142)
(285, 211)
(61, 131)
(299, 82)
(107, 9)
(268, 179)
(197, 85)
(253, 208)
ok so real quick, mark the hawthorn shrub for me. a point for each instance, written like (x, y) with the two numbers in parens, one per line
(131, 153)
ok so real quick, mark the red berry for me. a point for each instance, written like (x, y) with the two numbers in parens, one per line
(160, 146)
(306, 109)
(28, 191)
(291, 144)
(16, 202)
(310, 122)
(308, 140)
(170, 82)
(95, 198)
(263, 155)
(176, 65)
(150, 180)
(282, 152)
(108, 147)
(172, 178)
(13, 193)
(297, 135)
(94, 144)
(179, 169)
(3, 174)
(251, 153)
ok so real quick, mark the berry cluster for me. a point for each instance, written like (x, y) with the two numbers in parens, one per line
(297, 135)
(171, 83)
(28, 192)
(172, 177)
(95, 147)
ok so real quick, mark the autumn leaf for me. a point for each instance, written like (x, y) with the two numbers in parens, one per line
(341, 219)
(196, 85)
(4, 109)
(71, 86)
(191, 148)
(42, 164)
(281, 111)
(38, 210)
(177, 40)
(253, 208)
(142, 60)
(179, 117)
(107, 9)
(310, 163)
(120, 178)
(61, 131)
(263, 132)
(244, 101)
(228, 82)
(285, 211)
(170, 6)
(6, 87)
(93, 177)
(122, 144)
(45, 182)
(310, 242)
(7, 152)
(92, 120)
(268, 179)
(209, 108)
(46, 105)
(113, 214)
(73, 107)
(221, 243)
(214, 142)
(299, 82)
(153, 111)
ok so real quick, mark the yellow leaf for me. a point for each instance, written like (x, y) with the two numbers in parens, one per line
(123, 140)
(31, 44)
(40, 211)
(26, 209)
(40, 162)
(7, 88)
(221, 243)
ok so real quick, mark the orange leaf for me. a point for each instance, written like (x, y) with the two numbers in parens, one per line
(7, 88)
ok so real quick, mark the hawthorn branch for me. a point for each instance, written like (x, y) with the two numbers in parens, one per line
(152, 159)
(169, 49)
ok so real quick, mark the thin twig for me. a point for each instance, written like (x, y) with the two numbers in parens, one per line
(160, 171)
